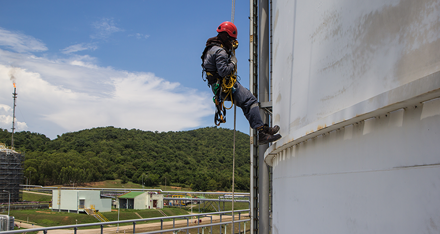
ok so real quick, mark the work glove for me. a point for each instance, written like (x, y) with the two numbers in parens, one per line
(233, 60)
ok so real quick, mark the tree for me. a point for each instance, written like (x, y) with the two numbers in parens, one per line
(28, 173)
(153, 180)
(201, 158)
(124, 179)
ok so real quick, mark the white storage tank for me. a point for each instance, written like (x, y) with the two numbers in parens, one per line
(356, 91)
(6, 223)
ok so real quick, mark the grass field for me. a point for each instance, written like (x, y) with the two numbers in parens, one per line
(36, 197)
(46, 217)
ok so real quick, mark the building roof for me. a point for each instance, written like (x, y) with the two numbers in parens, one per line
(131, 195)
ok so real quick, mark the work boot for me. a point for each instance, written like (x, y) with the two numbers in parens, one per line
(264, 138)
(270, 130)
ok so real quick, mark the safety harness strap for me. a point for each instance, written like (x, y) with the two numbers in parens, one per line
(223, 88)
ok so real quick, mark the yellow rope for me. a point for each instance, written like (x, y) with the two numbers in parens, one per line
(227, 87)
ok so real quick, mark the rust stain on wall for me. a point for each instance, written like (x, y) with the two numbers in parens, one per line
(321, 127)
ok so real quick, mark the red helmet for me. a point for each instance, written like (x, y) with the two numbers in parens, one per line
(229, 28)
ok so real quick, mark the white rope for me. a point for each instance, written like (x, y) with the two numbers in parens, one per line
(233, 169)
(233, 11)
(235, 122)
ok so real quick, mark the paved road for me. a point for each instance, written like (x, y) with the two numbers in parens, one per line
(139, 227)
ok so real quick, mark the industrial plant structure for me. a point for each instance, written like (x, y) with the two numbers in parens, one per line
(79, 201)
(140, 200)
(11, 175)
(355, 88)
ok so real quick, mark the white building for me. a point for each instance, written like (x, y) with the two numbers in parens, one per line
(140, 200)
(356, 92)
(79, 200)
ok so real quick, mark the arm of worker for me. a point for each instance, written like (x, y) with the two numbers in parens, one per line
(223, 64)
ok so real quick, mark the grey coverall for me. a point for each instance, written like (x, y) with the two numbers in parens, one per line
(217, 60)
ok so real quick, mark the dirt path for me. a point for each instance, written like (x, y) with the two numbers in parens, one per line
(47, 194)
(22, 224)
(139, 227)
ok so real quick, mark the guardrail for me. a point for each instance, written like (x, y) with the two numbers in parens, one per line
(133, 221)
(39, 187)
(25, 205)
(202, 199)
(202, 226)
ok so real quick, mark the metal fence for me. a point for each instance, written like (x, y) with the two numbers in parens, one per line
(173, 218)
(24, 205)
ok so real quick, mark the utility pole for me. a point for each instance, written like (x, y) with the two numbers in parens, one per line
(14, 95)
(119, 207)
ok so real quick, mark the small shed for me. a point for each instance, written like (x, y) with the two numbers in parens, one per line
(155, 200)
(140, 200)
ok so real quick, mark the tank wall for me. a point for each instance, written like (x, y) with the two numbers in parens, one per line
(331, 55)
(356, 87)
(378, 176)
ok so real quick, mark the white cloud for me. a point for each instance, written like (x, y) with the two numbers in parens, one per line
(4, 108)
(6, 119)
(76, 94)
(82, 64)
(104, 28)
(20, 42)
(139, 36)
(140, 101)
(79, 47)
(81, 60)
(71, 94)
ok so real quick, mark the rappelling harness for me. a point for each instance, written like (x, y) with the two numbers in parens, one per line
(221, 85)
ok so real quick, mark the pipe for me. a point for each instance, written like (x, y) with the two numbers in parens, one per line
(263, 95)
(253, 87)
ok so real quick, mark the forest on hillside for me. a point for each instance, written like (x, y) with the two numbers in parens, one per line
(200, 159)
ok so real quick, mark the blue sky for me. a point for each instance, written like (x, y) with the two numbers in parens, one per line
(128, 64)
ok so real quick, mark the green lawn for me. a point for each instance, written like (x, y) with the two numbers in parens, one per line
(228, 206)
(46, 217)
(127, 214)
(36, 197)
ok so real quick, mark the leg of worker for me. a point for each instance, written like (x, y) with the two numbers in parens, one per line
(249, 104)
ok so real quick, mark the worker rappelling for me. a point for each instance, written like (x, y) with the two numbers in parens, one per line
(220, 65)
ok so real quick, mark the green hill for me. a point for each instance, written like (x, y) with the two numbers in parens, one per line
(200, 159)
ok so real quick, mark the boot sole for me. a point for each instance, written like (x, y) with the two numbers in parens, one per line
(275, 138)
